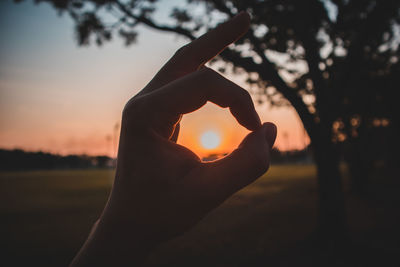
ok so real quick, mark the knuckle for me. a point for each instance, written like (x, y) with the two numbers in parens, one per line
(245, 96)
(133, 109)
(181, 50)
(206, 72)
(242, 99)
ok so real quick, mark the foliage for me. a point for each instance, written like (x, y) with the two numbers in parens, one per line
(335, 61)
(19, 160)
(327, 58)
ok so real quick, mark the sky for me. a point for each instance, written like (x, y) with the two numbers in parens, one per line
(61, 98)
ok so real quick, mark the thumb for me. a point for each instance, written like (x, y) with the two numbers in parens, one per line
(245, 164)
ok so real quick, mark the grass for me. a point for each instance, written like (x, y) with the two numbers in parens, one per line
(46, 216)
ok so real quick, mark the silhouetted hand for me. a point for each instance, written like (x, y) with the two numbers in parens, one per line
(162, 189)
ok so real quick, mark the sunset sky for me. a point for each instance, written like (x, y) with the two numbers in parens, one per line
(61, 98)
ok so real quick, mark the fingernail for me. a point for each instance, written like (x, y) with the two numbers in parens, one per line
(240, 14)
(270, 133)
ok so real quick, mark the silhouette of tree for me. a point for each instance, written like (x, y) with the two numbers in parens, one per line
(19, 160)
(327, 58)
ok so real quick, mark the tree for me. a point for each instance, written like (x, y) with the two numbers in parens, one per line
(324, 57)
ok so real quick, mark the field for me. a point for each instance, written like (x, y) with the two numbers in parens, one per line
(46, 216)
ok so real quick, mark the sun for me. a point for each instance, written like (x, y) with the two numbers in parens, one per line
(210, 139)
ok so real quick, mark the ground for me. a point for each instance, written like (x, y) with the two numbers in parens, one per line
(46, 216)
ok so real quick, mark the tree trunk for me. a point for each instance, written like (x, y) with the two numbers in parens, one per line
(358, 168)
(332, 228)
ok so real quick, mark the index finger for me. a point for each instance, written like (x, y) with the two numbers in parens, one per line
(195, 54)
(191, 92)
(207, 46)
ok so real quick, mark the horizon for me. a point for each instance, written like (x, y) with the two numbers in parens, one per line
(219, 154)
(60, 98)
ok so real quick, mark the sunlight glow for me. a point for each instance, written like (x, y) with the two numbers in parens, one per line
(210, 139)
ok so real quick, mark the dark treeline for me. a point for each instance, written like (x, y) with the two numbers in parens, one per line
(15, 160)
(303, 156)
(20, 160)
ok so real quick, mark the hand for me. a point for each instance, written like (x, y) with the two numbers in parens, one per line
(162, 189)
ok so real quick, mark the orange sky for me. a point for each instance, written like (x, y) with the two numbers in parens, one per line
(212, 117)
(60, 98)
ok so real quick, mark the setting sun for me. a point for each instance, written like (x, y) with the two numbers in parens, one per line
(210, 139)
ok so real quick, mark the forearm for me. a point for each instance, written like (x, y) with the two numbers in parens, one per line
(113, 244)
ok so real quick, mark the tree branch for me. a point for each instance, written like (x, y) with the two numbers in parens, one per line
(355, 52)
(147, 22)
(306, 29)
(267, 71)
(220, 5)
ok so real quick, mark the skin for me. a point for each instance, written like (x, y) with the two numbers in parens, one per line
(163, 189)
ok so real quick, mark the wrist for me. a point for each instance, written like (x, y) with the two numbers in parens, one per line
(114, 242)
(122, 233)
